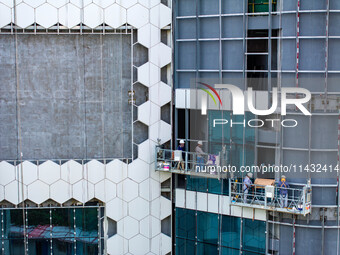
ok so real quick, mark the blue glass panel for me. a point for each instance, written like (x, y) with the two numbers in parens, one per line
(197, 184)
(230, 233)
(254, 236)
(87, 222)
(185, 223)
(229, 251)
(207, 227)
(205, 248)
(185, 247)
(214, 186)
(225, 188)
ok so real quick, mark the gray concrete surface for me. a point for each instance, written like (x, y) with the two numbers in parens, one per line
(72, 104)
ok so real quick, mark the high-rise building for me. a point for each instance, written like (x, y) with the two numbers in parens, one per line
(85, 96)
(262, 45)
(129, 127)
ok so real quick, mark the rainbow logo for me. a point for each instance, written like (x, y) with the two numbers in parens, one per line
(209, 93)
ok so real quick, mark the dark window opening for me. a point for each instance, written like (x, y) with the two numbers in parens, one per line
(260, 6)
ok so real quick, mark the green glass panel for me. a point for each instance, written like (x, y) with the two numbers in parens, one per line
(230, 233)
(185, 247)
(214, 186)
(225, 187)
(207, 227)
(87, 222)
(229, 251)
(197, 184)
(62, 221)
(254, 236)
(205, 248)
(185, 223)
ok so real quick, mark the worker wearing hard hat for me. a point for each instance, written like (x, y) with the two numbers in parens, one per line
(181, 148)
(199, 155)
(283, 188)
(247, 184)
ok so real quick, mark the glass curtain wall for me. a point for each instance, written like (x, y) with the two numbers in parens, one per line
(209, 233)
(61, 231)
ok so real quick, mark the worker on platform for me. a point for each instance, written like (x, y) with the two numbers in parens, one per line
(283, 187)
(181, 148)
(247, 185)
(199, 155)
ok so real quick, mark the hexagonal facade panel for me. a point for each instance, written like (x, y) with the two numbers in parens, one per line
(2, 193)
(160, 16)
(150, 189)
(9, 3)
(25, 15)
(96, 171)
(46, 15)
(49, 172)
(161, 208)
(160, 93)
(14, 191)
(115, 16)
(139, 245)
(148, 74)
(126, 3)
(127, 190)
(160, 130)
(38, 192)
(71, 171)
(81, 3)
(69, 15)
(127, 227)
(150, 226)
(93, 15)
(138, 208)
(117, 245)
(149, 3)
(116, 209)
(116, 171)
(138, 170)
(105, 190)
(149, 113)
(30, 172)
(161, 244)
(57, 3)
(146, 151)
(7, 173)
(103, 3)
(6, 15)
(137, 16)
(34, 3)
(160, 55)
(149, 35)
(83, 191)
(60, 191)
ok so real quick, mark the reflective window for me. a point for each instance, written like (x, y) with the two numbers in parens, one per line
(209, 185)
(217, 234)
(185, 223)
(185, 246)
(207, 227)
(230, 232)
(254, 236)
(62, 231)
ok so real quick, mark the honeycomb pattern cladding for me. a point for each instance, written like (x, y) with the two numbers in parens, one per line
(131, 192)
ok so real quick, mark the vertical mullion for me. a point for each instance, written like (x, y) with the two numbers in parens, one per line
(269, 46)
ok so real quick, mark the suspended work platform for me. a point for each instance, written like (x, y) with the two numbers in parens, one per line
(261, 195)
(270, 197)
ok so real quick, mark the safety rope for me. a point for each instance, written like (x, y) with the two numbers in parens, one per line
(297, 42)
(19, 145)
(337, 191)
